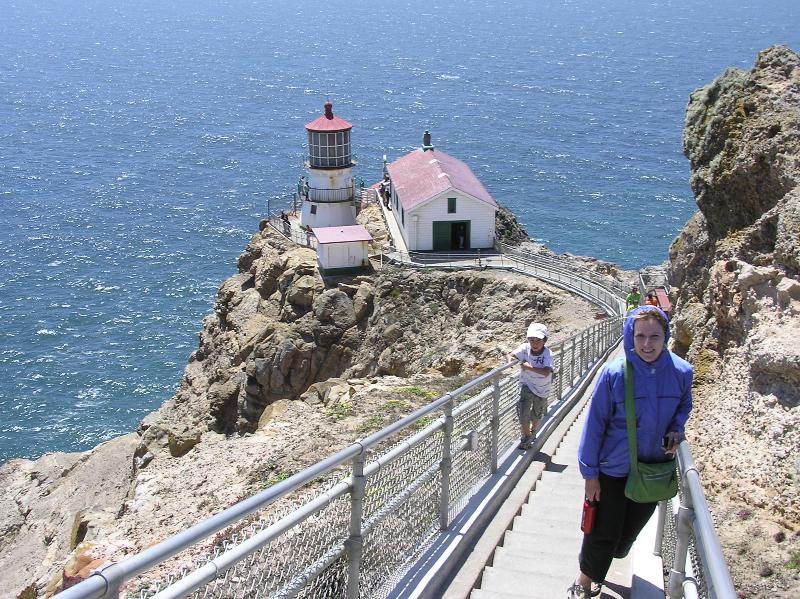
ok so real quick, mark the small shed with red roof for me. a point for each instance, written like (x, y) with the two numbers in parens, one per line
(438, 203)
(342, 250)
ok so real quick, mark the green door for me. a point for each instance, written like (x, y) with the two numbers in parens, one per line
(441, 236)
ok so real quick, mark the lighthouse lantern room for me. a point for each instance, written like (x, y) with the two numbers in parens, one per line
(328, 191)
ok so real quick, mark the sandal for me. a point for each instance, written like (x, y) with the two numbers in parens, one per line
(577, 591)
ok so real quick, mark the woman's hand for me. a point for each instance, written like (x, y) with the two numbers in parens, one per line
(673, 439)
(592, 489)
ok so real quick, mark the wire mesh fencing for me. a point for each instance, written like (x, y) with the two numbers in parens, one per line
(352, 524)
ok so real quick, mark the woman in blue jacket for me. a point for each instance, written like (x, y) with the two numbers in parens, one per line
(663, 396)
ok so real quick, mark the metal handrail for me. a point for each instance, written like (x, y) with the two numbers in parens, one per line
(329, 196)
(694, 534)
(541, 267)
(617, 287)
(107, 581)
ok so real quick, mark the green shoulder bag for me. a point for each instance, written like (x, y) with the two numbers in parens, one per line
(647, 483)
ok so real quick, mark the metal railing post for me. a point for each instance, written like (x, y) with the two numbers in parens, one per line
(583, 354)
(355, 544)
(678, 571)
(572, 364)
(660, 522)
(560, 382)
(495, 424)
(446, 466)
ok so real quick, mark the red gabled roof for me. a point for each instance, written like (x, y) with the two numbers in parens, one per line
(341, 234)
(328, 122)
(419, 176)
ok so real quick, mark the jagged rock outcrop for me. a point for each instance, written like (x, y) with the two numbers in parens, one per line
(736, 266)
(278, 328)
(507, 228)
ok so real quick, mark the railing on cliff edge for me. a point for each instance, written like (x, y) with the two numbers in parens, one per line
(333, 531)
(580, 281)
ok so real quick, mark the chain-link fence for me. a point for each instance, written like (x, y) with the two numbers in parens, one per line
(350, 525)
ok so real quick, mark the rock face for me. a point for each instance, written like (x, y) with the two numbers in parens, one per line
(56, 503)
(507, 228)
(736, 266)
(289, 368)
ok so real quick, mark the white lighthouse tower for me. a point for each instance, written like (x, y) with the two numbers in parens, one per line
(328, 193)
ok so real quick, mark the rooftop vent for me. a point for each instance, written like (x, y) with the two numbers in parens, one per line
(426, 141)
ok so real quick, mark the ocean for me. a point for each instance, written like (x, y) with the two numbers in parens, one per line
(140, 143)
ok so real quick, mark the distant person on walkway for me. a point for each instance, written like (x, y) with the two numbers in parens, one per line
(663, 396)
(285, 220)
(384, 193)
(632, 299)
(651, 300)
(535, 376)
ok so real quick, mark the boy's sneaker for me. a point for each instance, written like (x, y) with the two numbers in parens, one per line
(525, 443)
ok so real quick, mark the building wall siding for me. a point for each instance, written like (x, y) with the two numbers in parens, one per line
(480, 215)
(342, 255)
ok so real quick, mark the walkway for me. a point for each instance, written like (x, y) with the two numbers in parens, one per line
(394, 229)
(530, 549)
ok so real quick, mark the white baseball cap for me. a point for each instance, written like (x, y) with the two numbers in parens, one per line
(537, 330)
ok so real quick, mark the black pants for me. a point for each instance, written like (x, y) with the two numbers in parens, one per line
(618, 522)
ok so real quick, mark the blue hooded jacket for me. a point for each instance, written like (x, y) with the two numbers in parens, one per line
(663, 395)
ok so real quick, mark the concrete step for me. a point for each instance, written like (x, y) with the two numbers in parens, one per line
(569, 477)
(517, 540)
(568, 496)
(522, 584)
(537, 567)
(481, 594)
(542, 526)
(542, 511)
(533, 559)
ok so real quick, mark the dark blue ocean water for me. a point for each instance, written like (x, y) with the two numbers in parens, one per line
(141, 141)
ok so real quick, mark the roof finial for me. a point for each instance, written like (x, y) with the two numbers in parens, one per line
(426, 141)
(328, 109)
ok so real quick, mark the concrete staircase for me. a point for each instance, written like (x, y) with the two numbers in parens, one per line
(538, 557)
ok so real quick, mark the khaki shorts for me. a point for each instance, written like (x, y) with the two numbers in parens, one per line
(530, 406)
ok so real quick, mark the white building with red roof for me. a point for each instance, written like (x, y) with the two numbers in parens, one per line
(438, 203)
(342, 250)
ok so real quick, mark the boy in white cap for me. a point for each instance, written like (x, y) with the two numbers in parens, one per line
(535, 376)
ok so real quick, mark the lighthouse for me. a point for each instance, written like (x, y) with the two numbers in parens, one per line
(328, 191)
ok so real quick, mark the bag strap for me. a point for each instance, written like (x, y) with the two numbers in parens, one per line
(630, 415)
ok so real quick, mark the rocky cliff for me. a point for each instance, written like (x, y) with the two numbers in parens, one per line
(735, 266)
(289, 368)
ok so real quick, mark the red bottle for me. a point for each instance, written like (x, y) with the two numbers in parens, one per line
(587, 518)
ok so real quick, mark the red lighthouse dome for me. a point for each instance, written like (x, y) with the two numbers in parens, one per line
(329, 141)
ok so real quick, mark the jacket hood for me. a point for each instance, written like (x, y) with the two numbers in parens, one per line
(627, 331)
